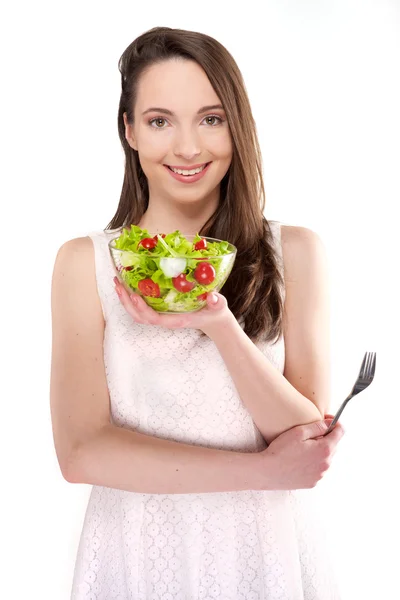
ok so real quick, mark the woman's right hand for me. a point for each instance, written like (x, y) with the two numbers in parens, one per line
(299, 457)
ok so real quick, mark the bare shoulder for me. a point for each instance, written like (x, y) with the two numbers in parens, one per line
(301, 249)
(74, 269)
(79, 250)
(296, 236)
(80, 245)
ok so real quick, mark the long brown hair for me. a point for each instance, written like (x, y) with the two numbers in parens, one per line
(253, 289)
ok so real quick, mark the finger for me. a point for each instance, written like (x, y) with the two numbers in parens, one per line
(335, 436)
(338, 430)
(126, 302)
(148, 315)
(216, 301)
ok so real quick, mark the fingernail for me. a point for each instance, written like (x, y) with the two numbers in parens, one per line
(134, 299)
(116, 280)
(214, 298)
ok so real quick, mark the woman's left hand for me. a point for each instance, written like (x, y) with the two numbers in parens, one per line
(210, 316)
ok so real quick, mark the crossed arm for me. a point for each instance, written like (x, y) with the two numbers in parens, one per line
(301, 395)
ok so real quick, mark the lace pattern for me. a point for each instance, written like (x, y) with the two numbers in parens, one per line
(246, 545)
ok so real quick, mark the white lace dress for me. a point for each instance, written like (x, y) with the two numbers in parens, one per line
(245, 545)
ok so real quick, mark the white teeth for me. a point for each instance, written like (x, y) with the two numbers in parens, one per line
(192, 172)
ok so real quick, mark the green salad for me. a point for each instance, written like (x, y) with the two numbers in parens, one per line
(171, 272)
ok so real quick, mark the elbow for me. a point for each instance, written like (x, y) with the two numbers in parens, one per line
(69, 475)
(312, 415)
(318, 411)
(69, 469)
(323, 410)
(319, 415)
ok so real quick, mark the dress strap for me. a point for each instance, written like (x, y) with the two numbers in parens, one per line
(277, 242)
(104, 270)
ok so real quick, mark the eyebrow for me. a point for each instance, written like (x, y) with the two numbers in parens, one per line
(168, 112)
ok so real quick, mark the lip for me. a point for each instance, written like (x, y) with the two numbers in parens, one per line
(188, 178)
(186, 168)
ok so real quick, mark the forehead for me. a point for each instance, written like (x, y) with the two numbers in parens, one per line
(175, 84)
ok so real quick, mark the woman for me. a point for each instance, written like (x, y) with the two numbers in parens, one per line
(199, 432)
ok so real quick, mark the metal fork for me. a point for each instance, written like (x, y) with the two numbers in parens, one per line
(364, 379)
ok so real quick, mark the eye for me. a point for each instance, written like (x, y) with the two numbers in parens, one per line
(157, 121)
(214, 117)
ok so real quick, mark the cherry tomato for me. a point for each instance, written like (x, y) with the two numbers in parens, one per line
(148, 243)
(202, 297)
(204, 273)
(128, 268)
(149, 288)
(156, 238)
(201, 244)
(182, 284)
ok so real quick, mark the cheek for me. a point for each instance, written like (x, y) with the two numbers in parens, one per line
(153, 145)
(153, 153)
(221, 146)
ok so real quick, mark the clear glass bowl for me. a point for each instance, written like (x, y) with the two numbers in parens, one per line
(163, 285)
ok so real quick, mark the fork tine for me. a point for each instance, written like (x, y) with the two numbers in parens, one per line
(364, 362)
(371, 371)
(367, 366)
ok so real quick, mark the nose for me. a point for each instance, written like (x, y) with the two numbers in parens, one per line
(187, 145)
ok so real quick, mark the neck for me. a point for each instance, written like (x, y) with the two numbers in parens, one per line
(163, 216)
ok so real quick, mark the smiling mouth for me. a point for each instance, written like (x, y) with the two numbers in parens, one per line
(189, 168)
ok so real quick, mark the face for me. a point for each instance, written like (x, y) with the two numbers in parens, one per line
(185, 138)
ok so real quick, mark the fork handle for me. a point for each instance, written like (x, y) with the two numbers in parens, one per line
(339, 412)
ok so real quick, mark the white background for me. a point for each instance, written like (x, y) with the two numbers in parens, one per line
(323, 81)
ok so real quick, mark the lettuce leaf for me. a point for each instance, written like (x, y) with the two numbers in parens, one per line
(146, 265)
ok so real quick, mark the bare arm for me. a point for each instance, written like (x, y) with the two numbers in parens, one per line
(300, 396)
(90, 449)
(274, 404)
(135, 462)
